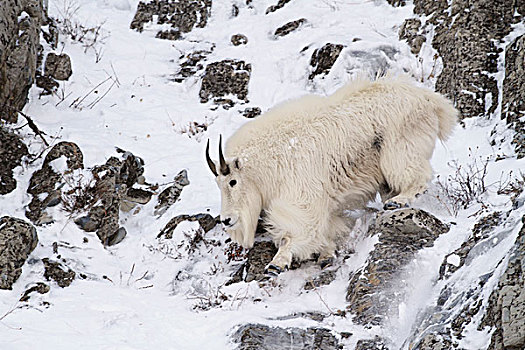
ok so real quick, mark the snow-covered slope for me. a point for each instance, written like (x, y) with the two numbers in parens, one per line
(162, 293)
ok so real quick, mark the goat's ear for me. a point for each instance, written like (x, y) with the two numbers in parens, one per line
(237, 163)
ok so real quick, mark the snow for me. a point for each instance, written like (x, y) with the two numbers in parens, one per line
(153, 293)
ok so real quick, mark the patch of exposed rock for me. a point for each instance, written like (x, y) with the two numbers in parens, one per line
(58, 66)
(206, 221)
(191, 64)
(257, 258)
(506, 309)
(44, 186)
(12, 150)
(181, 15)
(373, 291)
(480, 232)
(513, 103)
(171, 194)
(38, 287)
(251, 112)
(54, 270)
(18, 239)
(239, 39)
(20, 22)
(409, 31)
(377, 343)
(280, 4)
(324, 58)
(262, 337)
(224, 78)
(466, 38)
(289, 27)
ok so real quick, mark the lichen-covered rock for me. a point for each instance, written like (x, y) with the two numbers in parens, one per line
(53, 270)
(224, 78)
(58, 66)
(43, 185)
(372, 291)
(506, 310)
(409, 31)
(289, 27)
(171, 194)
(239, 39)
(20, 22)
(324, 58)
(181, 15)
(513, 103)
(206, 221)
(262, 337)
(17, 240)
(466, 37)
(12, 150)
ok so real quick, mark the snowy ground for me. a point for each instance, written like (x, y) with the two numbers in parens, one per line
(156, 293)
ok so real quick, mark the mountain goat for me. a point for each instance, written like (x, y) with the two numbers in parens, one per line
(305, 161)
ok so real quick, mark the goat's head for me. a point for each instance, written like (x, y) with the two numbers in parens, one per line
(240, 199)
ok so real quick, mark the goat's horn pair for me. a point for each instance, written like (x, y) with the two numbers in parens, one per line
(224, 168)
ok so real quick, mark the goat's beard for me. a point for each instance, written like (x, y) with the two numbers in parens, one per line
(244, 232)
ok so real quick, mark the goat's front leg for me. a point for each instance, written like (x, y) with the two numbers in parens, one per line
(282, 260)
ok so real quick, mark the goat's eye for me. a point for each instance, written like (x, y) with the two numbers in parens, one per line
(233, 183)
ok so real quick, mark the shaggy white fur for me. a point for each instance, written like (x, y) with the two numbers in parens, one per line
(306, 160)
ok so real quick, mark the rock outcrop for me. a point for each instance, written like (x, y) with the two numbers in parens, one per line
(324, 58)
(262, 337)
(18, 239)
(372, 292)
(20, 22)
(12, 150)
(224, 78)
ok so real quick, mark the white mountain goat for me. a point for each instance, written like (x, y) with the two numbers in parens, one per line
(305, 161)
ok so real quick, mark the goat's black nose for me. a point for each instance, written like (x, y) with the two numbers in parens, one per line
(226, 221)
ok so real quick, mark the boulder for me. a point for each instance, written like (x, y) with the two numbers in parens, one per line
(324, 58)
(44, 185)
(206, 221)
(12, 150)
(171, 194)
(182, 16)
(228, 77)
(372, 292)
(58, 66)
(513, 103)
(262, 337)
(18, 239)
(289, 27)
(20, 22)
(54, 270)
(280, 4)
(239, 39)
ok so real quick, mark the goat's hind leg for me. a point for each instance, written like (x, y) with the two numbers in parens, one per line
(282, 259)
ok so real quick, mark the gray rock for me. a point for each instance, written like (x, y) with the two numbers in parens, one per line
(19, 42)
(324, 278)
(480, 231)
(206, 221)
(434, 341)
(58, 66)
(280, 4)
(409, 31)
(17, 240)
(372, 291)
(506, 309)
(251, 112)
(172, 193)
(44, 185)
(239, 39)
(513, 104)
(182, 16)
(466, 38)
(12, 150)
(371, 344)
(324, 58)
(39, 287)
(55, 271)
(289, 27)
(262, 337)
(225, 78)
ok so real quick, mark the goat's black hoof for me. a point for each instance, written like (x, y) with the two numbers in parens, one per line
(391, 205)
(272, 270)
(326, 262)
